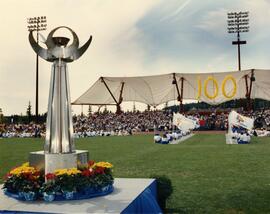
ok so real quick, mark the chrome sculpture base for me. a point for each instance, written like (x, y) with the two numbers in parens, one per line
(51, 162)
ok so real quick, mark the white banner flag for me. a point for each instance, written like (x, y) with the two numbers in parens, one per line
(183, 123)
(240, 120)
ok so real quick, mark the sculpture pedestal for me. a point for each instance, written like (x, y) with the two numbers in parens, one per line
(51, 162)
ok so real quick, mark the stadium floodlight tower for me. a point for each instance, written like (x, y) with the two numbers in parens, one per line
(59, 150)
(37, 24)
(238, 23)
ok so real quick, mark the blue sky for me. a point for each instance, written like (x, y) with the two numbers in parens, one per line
(130, 38)
(197, 33)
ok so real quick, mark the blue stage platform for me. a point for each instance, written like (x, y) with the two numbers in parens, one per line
(130, 196)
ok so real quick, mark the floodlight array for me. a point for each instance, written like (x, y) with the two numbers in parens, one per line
(37, 23)
(238, 22)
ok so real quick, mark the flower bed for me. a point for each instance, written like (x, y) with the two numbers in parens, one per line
(90, 180)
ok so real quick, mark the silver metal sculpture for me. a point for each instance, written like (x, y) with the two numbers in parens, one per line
(59, 128)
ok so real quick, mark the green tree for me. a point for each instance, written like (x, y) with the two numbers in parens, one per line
(134, 107)
(89, 110)
(1, 116)
(166, 105)
(105, 109)
(82, 114)
(29, 112)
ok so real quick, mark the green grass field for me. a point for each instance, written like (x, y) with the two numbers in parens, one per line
(207, 175)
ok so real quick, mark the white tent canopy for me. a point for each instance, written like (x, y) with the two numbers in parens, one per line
(212, 88)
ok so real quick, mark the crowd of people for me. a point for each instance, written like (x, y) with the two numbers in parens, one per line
(106, 124)
(127, 123)
(22, 130)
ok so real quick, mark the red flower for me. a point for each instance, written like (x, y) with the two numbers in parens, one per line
(50, 176)
(7, 176)
(31, 177)
(91, 163)
(37, 173)
(99, 170)
(28, 176)
(87, 173)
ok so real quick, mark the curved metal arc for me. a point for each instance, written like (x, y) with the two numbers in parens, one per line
(78, 53)
(42, 52)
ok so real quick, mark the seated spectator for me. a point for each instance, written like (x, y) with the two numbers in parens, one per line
(245, 138)
(175, 135)
(241, 139)
(179, 134)
(169, 136)
(157, 138)
(164, 139)
(234, 134)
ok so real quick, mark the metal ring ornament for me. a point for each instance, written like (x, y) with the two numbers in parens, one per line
(229, 77)
(211, 97)
(54, 52)
(75, 43)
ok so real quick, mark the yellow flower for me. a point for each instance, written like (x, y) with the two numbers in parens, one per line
(23, 169)
(71, 171)
(25, 164)
(103, 164)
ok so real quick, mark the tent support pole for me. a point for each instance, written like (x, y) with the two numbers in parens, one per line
(247, 92)
(250, 89)
(246, 81)
(103, 81)
(177, 89)
(181, 98)
(118, 104)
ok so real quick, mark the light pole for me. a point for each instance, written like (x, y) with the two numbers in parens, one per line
(37, 24)
(238, 23)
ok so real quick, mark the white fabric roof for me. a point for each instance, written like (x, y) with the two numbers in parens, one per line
(158, 89)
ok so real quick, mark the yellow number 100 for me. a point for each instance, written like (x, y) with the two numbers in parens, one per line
(216, 87)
